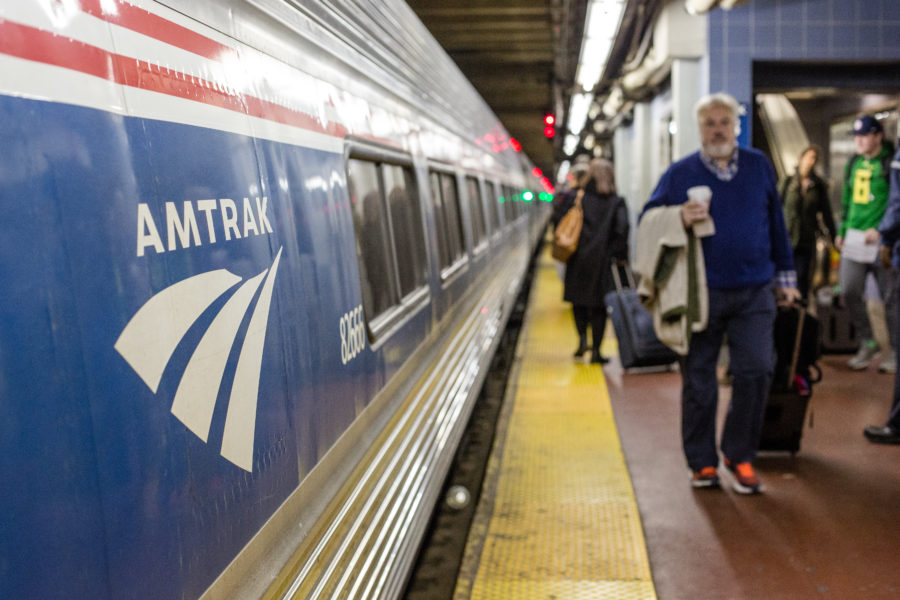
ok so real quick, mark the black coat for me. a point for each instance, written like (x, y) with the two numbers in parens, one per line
(801, 211)
(604, 237)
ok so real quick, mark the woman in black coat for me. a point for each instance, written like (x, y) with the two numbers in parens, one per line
(805, 197)
(604, 238)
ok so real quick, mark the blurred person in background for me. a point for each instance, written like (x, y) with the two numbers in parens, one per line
(604, 238)
(889, 433)
(863, 203)
(805, 198)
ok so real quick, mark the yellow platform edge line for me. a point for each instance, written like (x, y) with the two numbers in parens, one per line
(558, 515)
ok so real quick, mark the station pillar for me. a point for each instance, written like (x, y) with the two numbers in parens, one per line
(686, 84)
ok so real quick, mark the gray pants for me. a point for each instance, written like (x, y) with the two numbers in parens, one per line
(853, 287)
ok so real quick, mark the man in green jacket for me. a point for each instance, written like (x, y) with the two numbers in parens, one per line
(863, 203)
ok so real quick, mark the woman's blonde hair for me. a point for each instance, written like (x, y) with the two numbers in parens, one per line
(603, 174)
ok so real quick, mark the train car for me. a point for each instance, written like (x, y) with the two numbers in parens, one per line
(256, 257)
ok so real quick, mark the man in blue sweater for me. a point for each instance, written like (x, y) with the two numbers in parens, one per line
(748, 262)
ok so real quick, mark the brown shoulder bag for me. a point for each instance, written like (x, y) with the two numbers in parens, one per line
(568, 230)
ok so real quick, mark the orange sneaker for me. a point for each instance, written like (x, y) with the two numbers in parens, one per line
(745, 479)
(707, 477)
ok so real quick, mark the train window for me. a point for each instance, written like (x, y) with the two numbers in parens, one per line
(493, 207)
(501, 204)
(509, 208)
(406, 219)
(476, 208)
(447, 217)
(388, 225)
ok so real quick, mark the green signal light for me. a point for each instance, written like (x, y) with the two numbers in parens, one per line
(527, 195)
(546, 197)
(502, 199)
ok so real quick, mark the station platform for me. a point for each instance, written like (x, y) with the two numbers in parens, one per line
(588, 496)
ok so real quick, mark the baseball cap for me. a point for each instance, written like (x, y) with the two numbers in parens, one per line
(866, 124)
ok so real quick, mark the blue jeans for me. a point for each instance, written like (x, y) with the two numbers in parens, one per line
(746, 316)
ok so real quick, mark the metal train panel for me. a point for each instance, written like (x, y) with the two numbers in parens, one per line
(164, 488)
(180, 275)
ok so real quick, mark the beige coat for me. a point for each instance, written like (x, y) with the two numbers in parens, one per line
(674, 293)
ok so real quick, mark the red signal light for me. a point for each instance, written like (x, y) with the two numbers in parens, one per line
(549, 125)
(515, 144)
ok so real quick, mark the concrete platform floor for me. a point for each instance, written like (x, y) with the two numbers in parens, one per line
(827, 526)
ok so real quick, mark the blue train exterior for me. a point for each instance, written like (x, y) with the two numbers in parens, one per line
(194, 400)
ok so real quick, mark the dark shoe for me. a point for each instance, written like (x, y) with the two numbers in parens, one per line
(582, 348)
(597, 359)
(882, 435)
(745, 479)
(707, 478)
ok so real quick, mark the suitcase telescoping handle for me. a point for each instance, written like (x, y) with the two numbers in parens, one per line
(614, 265)
(801, 317)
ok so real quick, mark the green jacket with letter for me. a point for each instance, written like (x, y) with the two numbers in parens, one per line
(865, 192)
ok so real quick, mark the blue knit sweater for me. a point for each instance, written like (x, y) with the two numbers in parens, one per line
(751, 241)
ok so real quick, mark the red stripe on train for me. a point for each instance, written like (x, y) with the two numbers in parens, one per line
(36, 45)
(145, 22)
(48, 48)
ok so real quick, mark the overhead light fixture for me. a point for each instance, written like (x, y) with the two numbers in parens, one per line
(570, 144)
(699, 7)
(578, 110)
(614, 102)
(601, 25)
(729, 4)
(563, 170)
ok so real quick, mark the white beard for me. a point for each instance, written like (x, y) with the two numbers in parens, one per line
(722, 150)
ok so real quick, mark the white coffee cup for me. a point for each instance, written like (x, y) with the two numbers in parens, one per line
(701, 194)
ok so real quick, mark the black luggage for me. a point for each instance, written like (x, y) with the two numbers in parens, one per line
(797, 350)
(638, 344)
(838, 333)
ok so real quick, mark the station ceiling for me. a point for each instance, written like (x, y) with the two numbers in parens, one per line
(520, 55)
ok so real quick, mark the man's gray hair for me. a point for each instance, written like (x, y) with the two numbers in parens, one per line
(719, 99)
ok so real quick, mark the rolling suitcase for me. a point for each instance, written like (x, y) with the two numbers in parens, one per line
(797, 350)
(638, 344)
(838, 333)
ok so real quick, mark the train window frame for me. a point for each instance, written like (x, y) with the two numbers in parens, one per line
(477, 217)
(403, 305)
(509, 209)
(451, 260)
(517, 203)
(495, 212)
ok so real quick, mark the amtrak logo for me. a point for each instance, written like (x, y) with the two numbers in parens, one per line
(153, 333)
